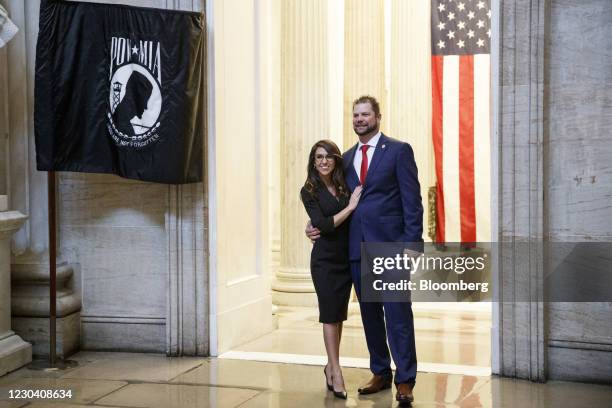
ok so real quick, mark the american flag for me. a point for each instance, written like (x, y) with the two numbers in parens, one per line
(460, 68)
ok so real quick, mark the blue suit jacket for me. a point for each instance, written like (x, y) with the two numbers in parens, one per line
(390, 208)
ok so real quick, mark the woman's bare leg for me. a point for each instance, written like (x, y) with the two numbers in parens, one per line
(331, 337)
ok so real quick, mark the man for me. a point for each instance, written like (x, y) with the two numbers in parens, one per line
(390, 210)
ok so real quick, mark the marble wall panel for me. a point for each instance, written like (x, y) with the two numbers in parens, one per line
(580, 112)
(595, 322)
(124, 269)
(115, 229)
(125, 204)
(579, 174)
(87, 178)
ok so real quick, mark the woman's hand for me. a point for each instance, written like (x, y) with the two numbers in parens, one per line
(355, 198)
(311, 232)
(346, 212)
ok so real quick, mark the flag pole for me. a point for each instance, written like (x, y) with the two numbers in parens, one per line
(52, 267)
(53, 363)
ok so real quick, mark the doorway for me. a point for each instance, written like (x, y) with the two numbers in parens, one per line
(256, 164)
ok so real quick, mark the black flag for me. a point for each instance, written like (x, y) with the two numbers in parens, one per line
(120, 89)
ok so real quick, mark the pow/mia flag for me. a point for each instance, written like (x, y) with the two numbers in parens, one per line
(120, 89)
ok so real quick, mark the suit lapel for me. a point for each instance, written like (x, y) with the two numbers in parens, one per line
(349, 169)
(379, 152)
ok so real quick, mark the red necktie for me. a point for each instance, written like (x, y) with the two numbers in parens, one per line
(364, 164)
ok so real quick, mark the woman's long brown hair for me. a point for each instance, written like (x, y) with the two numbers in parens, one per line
(313, 180)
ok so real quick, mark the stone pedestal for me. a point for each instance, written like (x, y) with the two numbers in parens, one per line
(14, 352)
(36, 331)
(30, 307)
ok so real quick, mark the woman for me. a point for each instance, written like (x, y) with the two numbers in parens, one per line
(326, 199)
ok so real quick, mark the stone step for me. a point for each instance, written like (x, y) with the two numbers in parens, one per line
(36, 331)
(67, 303)
(38, 274)
(30, 290)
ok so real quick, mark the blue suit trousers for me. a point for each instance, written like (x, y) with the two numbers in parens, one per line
(392, 321)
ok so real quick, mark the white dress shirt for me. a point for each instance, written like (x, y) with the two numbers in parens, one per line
(370, 153)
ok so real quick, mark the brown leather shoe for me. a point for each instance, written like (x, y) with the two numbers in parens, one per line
(404, 393)
(376, 383)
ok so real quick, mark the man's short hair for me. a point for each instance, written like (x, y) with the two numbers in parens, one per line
(368, 99)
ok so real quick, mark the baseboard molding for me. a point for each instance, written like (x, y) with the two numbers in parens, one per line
(124, 320)
(582, 345)
(123, 334)
(237, 326)
(574, 364)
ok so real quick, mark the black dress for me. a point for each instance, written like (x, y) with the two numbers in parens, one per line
(329, 262)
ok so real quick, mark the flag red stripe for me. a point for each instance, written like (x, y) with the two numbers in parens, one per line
(437, 80)
(466, 149)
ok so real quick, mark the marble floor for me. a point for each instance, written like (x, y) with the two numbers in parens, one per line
(450, 338)
(146, 380)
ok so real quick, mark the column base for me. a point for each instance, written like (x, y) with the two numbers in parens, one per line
(293, 287)
(36, 331)
(14, 353)
(294, 298)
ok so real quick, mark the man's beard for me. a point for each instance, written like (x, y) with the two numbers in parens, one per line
(367, 130)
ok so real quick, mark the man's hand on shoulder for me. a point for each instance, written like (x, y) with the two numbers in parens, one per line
(311, 232)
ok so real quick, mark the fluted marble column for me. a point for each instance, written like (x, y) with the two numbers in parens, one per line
(407, 117)
(27, 186)
(3, 130)
(273, 121)
(309, 97)
(364, 58)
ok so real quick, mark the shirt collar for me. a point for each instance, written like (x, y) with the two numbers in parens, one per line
(372, 143)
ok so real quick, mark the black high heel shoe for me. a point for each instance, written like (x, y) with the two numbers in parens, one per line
(338, 394)
(330, 387)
